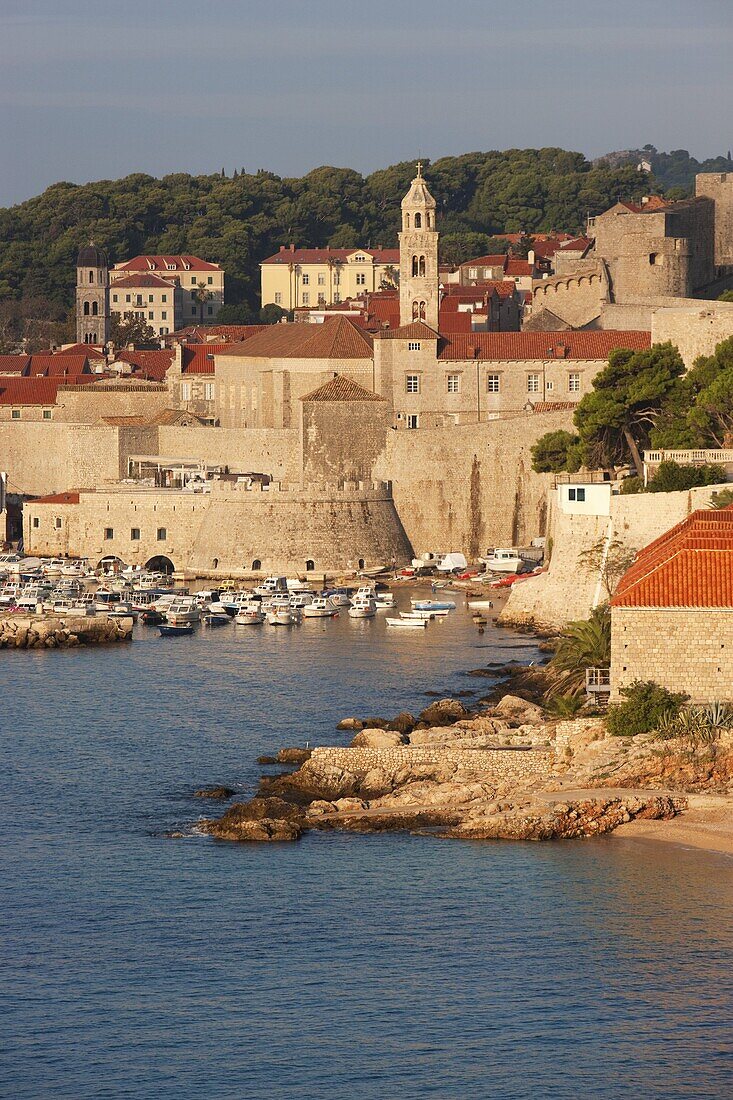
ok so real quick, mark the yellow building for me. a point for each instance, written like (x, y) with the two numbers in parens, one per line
(296, 277)
(201, 285)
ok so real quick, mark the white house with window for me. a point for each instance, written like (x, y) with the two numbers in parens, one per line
(580, 499)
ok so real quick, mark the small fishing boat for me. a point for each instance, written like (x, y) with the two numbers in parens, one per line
(433, 605)
(339, 597)
(215, 618)
(151, 617)
(408, 624)
(250, 614)
(428, 615)
(481, 605)
(300, 600)
(283, 616)
(363, 607)
(184, 610)
(175, 630)
(122, 610)
(320, 608)
(503, 560)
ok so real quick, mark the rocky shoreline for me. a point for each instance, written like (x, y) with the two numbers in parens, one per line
(54, 632)
(504, 772)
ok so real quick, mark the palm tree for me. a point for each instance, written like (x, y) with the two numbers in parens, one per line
(583, 644)
(202, 295)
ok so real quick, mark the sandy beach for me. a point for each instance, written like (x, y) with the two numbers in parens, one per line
(706, 824)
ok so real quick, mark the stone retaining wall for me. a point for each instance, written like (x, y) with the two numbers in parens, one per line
(499, 763)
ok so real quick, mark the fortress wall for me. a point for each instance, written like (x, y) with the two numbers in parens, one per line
(576, 299)
(87, 404)
(47, 457)
(470, 487)
(254, 450)
(719, 187)
(566, 591)
(342, 439)
(696, 329)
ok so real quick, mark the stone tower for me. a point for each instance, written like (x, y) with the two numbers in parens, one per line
(92, 296)
(419, 296)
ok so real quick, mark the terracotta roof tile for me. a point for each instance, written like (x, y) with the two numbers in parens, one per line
(336, 338)
(339, 388)
(144, 278)
(161, 263)
(593, 345)
(152, 365)
(417, 330)
(58, 498)
(199, 358)
(323, 255)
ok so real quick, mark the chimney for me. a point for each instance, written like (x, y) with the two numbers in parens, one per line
(292, 248)
(282, 247)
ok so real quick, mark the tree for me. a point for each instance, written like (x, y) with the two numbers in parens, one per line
(391, 278)
(235, 315)
(672, 477)
(201, 294)
(583, 644)
(271, 314)
(616, 419)
(130, 329)
(726, 296)
(646, 705)
(608, 561)
(550, 454)
(722, 499)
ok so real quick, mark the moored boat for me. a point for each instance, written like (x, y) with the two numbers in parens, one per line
(320, 608)
(250, 614)
(175, 630)
(363, 607)
(283, 616)
(433, 605)
(417, 624)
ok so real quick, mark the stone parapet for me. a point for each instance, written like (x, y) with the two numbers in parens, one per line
(496, 763)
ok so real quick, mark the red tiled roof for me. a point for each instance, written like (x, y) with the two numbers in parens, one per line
(417, 330)
(453, 322)
(52, 366)
(199, 358)
(691, 565)
(58, 498)
(516, 268)
(89, 350)
(554, 406)
(162, 263)
(339, 388)
(323, 255)
(542, 345)
(225, 333)
(336, 338)
(496, 259)
(152, 365)
(29, 391)
(14, 364)
(146, 279)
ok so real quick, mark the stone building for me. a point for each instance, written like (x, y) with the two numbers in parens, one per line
(201, 283)
(419, 292)
(92, 296)
(150, 298)
(718, 186)
(310, 277)
(672, 613)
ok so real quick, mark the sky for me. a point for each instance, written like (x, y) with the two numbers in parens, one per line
(91, 89)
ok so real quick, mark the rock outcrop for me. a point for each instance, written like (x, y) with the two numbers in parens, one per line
(54, 632)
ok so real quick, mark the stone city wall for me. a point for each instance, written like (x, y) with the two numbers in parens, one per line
(575, 298)
(88, 404)
(696, 329)
(503, 764)
(719, 187)
(682, 649)
(256, 450)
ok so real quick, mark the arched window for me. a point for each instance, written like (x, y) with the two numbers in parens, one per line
(94, 309)
(422, 265)
(310, 565)
(422, 311)
(418, 221)
(91, 276)
(415, 310)
(256, 565)
(414, 265)
(362, 563)
(407, 221)
(427, 220)
(86, 309)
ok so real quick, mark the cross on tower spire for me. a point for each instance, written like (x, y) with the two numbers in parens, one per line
(419, 169)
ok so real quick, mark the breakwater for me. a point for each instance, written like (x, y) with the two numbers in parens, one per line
(61, 632)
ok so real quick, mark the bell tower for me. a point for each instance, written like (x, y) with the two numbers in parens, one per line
(419, 295)
(92, 296)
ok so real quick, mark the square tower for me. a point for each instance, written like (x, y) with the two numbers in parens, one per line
(92, 296)
(419, 294)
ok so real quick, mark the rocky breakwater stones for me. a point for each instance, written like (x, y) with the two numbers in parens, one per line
(261, 819)
(52, 632)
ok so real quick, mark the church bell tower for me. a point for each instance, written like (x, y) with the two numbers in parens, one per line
(92, 296)
(419, 294)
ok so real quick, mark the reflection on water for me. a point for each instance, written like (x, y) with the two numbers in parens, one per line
(355, 966)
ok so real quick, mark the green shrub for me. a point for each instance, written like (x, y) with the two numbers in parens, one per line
(646, 706)
(672, 477)
(632, 485)
(696, 725)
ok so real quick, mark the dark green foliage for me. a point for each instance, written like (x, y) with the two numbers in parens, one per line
(550, 452)
(583, 644)
(131, 331)
(632, 485)
(646, 705)
(673, 477)
(722, 499)
(726, 296)
(239, 221)
(271, 314)
(235, 315)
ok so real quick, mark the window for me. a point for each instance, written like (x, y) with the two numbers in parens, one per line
(256, 565)
(306, 279)
(306, 298)
(413, 345)
(57, 522)
(15, 414)
(574, 383)
(210, 280)
(109, 533)
(162, 534)
(550, 386)
(533, 383)
(361, 278)
(208, 391)
(164, 316)
(128, 298)
(418, 221)
(135, 534)
(164, 330)
(577, 495)
(412, 383)
(46, 414)
(360, 259)
(185, 391)
(321, 280)
(193, 311)
(114, 297)
(493, 383)
(337, 278)
(151, 315)
(278, 298)
(91, 276)
(310, 565)
(193, 280)
(413, 420)
(95, 309)
(473, 273)
(209, 310)
(454, 383)
(164, 297)
(150, 298)
(36, 522)
(86, 309)
(336, 298)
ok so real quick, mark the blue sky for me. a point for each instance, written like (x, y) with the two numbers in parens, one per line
(91, 89)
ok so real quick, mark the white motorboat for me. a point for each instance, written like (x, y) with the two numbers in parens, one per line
(250, 614)
(363, 607)
(408, 624)
(294, 585)
(122, 610)
(234, 601)
(503, 560)
(274, 602)
(433, 605)
(320, 608)
(427, 615)
(301, 600)
(283, 616)
(384, 600)
(339, 597)
(183, 610)
(271, 586)
(52, 567)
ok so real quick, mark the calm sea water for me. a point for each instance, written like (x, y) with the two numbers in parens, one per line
(135, 965)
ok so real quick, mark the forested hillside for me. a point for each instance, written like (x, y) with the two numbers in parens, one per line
(239, 220)
(676, 169)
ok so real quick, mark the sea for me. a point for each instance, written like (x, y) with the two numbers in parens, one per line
(136, 964)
